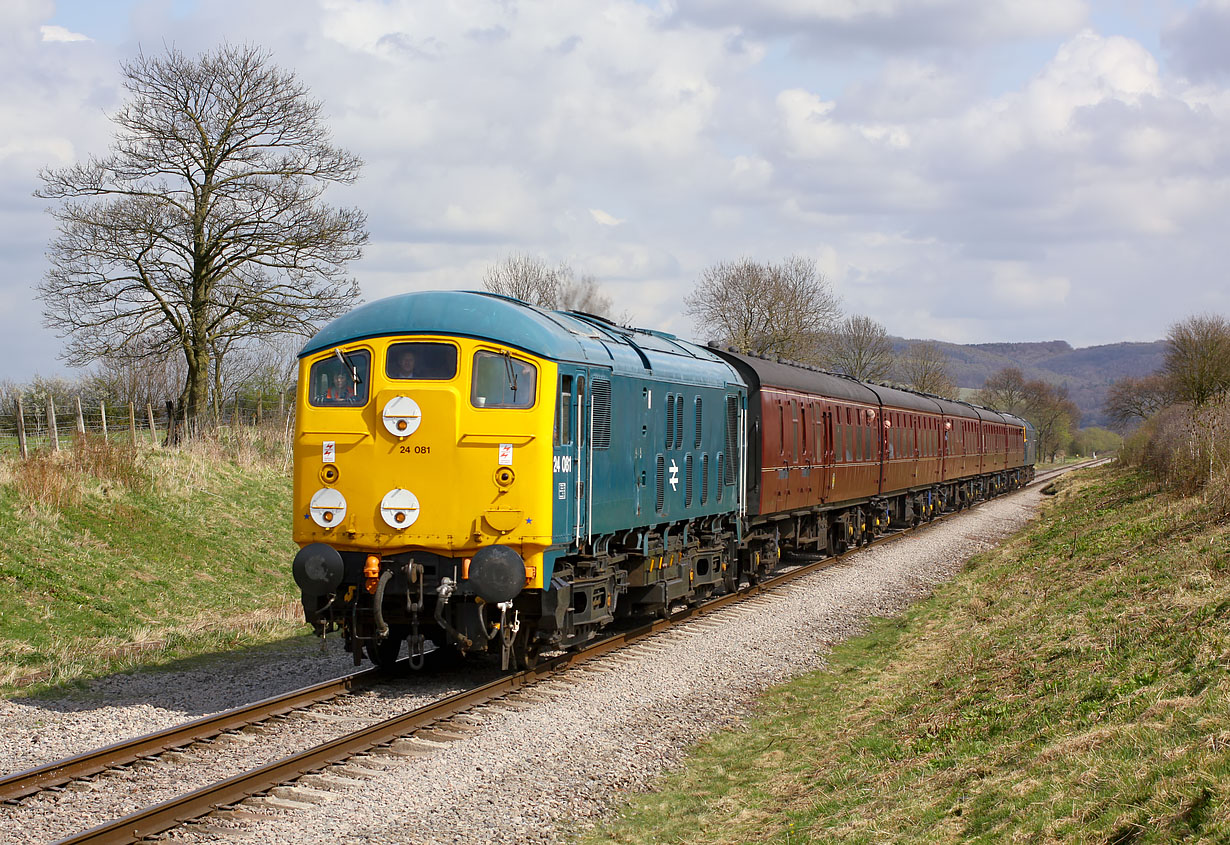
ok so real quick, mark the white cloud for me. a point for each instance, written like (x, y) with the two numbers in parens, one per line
(59, 33)
(603, 218)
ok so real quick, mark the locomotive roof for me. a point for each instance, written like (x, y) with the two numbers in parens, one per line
(556, 335)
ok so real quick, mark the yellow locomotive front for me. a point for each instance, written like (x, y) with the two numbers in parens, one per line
(422, 490)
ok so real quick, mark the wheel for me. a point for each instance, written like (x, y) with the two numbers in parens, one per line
(385, 652)
(525, 649)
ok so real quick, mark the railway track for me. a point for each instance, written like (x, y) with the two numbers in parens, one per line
(429, 721)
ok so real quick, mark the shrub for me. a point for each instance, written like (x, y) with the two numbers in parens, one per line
(57, 479)
(1188, 448)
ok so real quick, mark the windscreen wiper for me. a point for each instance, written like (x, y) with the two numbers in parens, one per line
(348, 364)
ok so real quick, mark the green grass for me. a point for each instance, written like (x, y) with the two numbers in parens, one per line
(1071, 685)
(112, 558)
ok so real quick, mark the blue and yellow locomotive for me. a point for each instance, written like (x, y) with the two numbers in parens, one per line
(488, 475)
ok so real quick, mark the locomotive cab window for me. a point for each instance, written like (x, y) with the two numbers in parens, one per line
(502, 381)
(340, 381)
(421, 360)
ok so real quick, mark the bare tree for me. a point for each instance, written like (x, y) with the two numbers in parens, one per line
(859, 347)
(1198, 358)
(1130, 401)
(531, 279)
(139, 376)
(1005, 391)
(205, 223)
(526, 277)
(765, 309)
(1054, 416)
(1045, 405)
(925, 367)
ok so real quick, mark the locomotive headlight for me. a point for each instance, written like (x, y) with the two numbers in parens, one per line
(399, 508)
(328, 507)
(401, 416)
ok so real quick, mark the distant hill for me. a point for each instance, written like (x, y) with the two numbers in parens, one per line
(1086, 372)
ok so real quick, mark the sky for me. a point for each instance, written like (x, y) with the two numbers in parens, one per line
(965, 170)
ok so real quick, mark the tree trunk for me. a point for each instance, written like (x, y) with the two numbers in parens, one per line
(193, 401)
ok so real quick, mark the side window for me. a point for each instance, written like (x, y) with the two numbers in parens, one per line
(794, 421)
(421, 360)
(563, 417)
(803, 432)
(334, 383)
(502, 381)
(781, 429)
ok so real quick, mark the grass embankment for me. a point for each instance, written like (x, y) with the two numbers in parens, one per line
(112, 557)
(1071, 685)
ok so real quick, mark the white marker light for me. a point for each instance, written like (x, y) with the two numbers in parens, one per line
(402, 416)
(328, 507)
(399, 508)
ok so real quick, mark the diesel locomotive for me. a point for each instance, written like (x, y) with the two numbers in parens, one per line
(484, 475)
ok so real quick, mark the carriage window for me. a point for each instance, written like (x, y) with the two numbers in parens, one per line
(502, 381)
(803, 429)
(435, 361)
(340, 381)
(781, 430)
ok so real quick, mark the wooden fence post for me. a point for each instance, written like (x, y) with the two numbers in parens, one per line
(173, 429)
(260, 410)
(102, 413)
(153, 430)
(51, 424)
(132, 422)
(80, 419)
(21, 430)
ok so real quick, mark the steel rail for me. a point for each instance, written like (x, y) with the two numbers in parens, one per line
(189, 807)
(28, 782)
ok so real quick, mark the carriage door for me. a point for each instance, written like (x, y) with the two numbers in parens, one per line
(570, 509)
(582, 475)
(827, 454)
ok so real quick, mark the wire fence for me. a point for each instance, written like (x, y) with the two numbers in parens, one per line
(31, 426)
